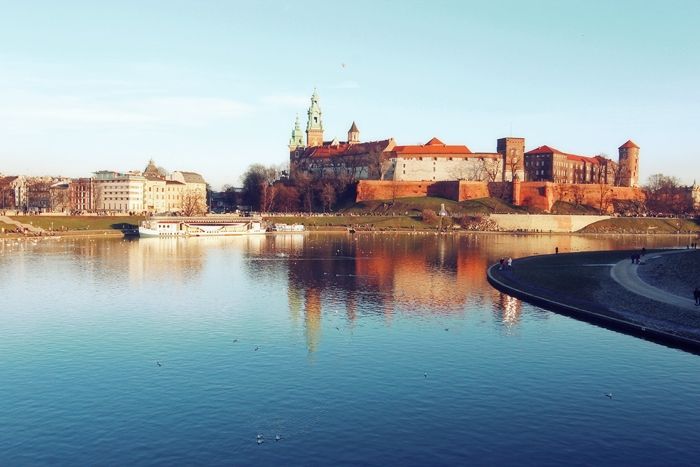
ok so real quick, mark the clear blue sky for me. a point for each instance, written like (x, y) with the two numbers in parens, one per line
(212, 86)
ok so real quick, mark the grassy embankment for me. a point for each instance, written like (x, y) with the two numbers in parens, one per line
(644, 225)
(403, 213)
(73, 223)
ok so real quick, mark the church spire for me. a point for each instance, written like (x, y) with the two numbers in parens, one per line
(297, 139)
(353, 134)
(314, 125)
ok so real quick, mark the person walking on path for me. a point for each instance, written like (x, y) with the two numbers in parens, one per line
(510, 262)
(500, 264)
(696, 295)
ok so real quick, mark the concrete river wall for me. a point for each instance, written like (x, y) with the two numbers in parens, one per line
(544, 222)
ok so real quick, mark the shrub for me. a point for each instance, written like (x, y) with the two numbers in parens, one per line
(429, 216)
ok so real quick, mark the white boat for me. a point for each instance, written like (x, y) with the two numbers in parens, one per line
(203, 226)
(289, 228)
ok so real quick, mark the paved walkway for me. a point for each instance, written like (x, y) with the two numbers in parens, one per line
(625, 274)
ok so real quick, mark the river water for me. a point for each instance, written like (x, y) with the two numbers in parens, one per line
(372, 349)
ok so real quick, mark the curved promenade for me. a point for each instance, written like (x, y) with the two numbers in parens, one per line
(604, 288)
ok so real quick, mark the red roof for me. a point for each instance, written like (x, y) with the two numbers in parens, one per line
(629, 144)
(7, 180)
(572, 157)
(344, 149)
(432, 147)
(544, 150)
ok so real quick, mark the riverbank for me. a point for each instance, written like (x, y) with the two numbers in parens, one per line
(580, 285)
(391, 222)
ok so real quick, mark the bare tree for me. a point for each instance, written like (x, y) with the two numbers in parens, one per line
(268, 196)
(604, 197)
(193, 203)
(60, 199)
(578, 195)
(666, 195)
(328, 195)
(288, 198)
(490, 168)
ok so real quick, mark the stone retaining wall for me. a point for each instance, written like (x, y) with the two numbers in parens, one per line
(544, 222)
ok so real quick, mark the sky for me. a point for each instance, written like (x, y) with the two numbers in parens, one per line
(214, 86)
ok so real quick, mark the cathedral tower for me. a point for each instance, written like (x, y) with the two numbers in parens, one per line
(629, 164)
(353, 134)
(314, 126)
(297, 139)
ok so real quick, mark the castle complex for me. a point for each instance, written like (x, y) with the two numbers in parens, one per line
(411, 170)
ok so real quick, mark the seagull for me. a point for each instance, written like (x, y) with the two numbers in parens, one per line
(259, 436)
(337, 328)
(257, 347)
(260, 440)
(447, 329)
(609, 395)
(158, 363)
(425, 375)
(278, 437)
(235, 340)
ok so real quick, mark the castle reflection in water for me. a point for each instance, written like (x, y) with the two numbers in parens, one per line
(382, 275)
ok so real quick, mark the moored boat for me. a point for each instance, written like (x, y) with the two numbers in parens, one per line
(201, 226)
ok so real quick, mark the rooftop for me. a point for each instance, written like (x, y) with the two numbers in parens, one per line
(432, 147)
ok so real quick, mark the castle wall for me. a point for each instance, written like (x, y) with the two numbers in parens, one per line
(433, 168)
(370, 190)
(543, 195)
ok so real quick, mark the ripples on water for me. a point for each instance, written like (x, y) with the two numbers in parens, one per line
(372, 349)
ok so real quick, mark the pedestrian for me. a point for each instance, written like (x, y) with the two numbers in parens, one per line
(632, 258)
(510, 263)
(556, 250)
(500, 264)
(696, 295)
(644, 251)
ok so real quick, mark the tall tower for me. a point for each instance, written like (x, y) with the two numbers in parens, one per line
(353, 134)
(297, 139)
(629, 164)
(513, 152)
(314, 126)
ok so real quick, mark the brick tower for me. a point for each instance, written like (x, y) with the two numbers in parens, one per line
(513, 152)
(629, 164)
(314, 126)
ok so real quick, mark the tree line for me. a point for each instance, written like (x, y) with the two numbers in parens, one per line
(268, 188)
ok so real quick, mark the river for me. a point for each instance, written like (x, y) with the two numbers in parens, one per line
(371, 349)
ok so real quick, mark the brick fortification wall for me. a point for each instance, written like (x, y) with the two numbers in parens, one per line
(539, 195)
(543, 195)
(369, 190)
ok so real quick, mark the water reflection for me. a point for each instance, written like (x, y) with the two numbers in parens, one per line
(418, 276)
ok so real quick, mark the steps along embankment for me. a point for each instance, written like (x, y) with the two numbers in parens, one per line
(21, 226)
